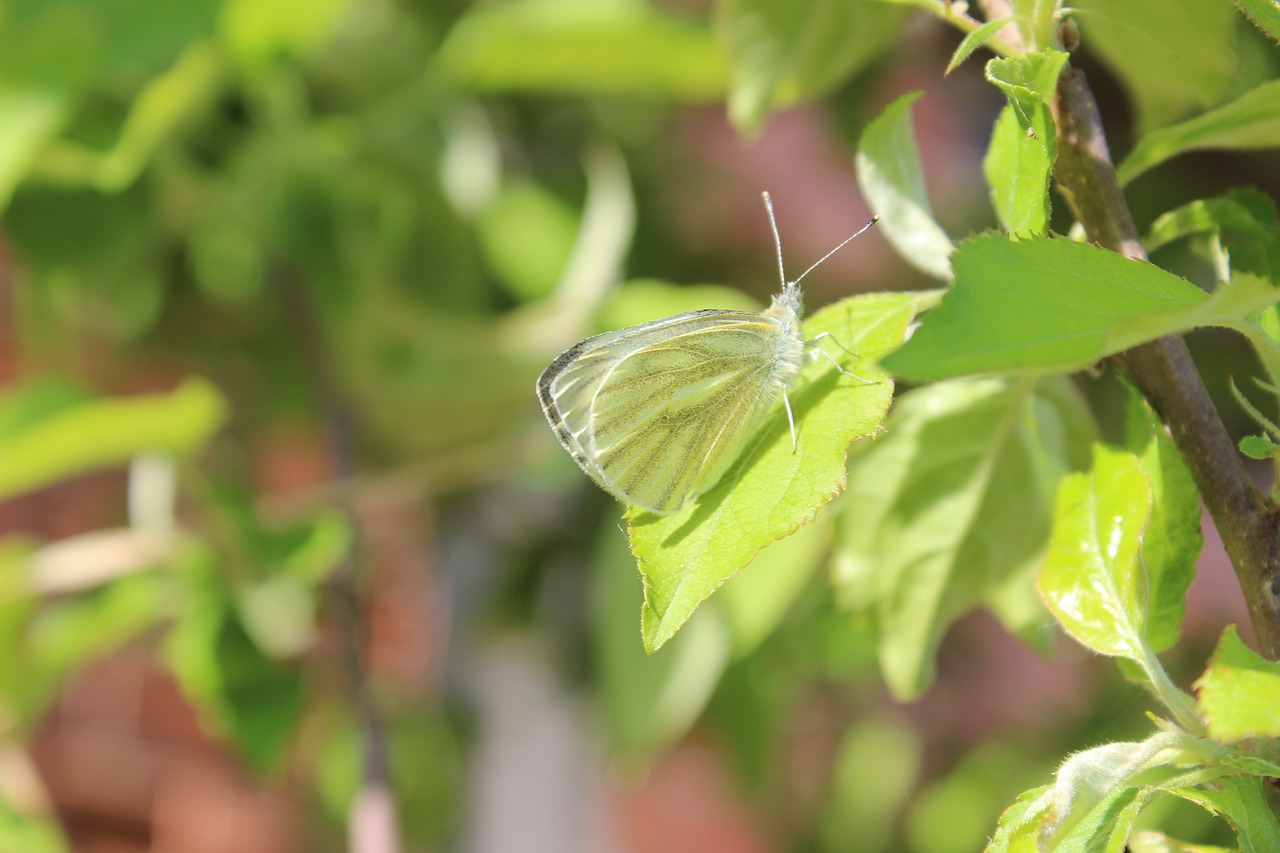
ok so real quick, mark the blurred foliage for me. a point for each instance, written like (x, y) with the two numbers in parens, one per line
(297, 265)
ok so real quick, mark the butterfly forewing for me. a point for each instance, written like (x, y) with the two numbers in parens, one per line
(658, 413)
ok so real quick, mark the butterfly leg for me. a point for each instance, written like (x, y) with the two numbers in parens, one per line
(816, 350)
(786, 402)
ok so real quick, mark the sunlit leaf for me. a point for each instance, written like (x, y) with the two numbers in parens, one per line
(774, 491)
(1240, 691)
(784, 52)
(1250, 122)
(1172, 540)
(1024, 143)
(1042, 305)
(1192, 43)
(586, 47)
(891, 177)
(1093, 579)
(99, 433)
(948, 508)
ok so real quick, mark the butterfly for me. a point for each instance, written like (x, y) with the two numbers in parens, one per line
(658, 413)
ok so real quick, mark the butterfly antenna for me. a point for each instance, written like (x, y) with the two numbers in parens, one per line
(873, 221)
(777, 241)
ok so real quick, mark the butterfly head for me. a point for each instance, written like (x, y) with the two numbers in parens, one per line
(791, 300)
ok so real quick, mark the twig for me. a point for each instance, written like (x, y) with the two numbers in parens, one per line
(372, 826)
(1165, 373)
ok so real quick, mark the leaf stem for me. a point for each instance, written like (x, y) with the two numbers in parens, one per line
(1179, 702)
(1165, 373)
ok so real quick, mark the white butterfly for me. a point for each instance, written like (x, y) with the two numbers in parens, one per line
(657, 413)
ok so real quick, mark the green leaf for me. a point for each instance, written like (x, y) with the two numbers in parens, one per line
(251, 698)
(261, 33)
(975, 40)
(1240, 801)
(774, 491)
(753, 603)
(1151, 841)
(1097, 793)
(584, 47)
(891, 178)
(1239, 691)
(1258, 447)
(1017, 168)
(70, 45)
(1172, 541)
(888, 750)
(643, 300)
(1241, 222)
(1250, 122)
(1044, 305)
(26, 832)
(1024, 142)
(1019, 826)
(157, 111)
(1028, 79)
(1173, 59)
(648, 701)
(528, 236)
(30, 119)
(1265, 15)
(952, 504)
(1036, 20)
(99, 433)
(67, 633)
(785, 52)
(1093, 579)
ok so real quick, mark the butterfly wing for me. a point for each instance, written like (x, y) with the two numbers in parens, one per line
(658, 413)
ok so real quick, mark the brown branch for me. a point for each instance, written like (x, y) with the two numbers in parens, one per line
(372, 821)
(1165, 373)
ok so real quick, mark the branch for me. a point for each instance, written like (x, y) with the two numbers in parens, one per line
(1165, 373)
(372, 822)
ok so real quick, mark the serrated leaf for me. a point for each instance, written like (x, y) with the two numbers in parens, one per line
(1019, 826)
(1042, 305)
(1017, 168)
(584, 47)
(99, 433)
(1027, 78)
(1172, 540)
(774, 491)
(1239, 693)
(782, 53)
(1250, 122)
(1024, 143)
(1172, 58)
(1241, 802)
(975, 40)
(1265, 15)
(953, 503)
(1093, 580)
(889, 172)
(1258, 447)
